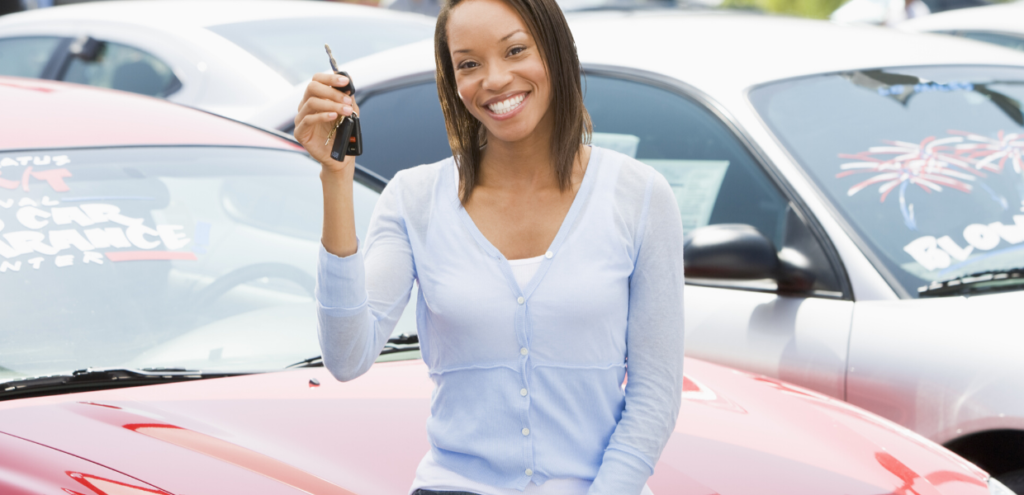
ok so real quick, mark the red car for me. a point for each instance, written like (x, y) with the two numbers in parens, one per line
(158, 334)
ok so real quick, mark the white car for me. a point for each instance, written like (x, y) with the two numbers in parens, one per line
(225, 57)
(852, 196)
(1001, 24)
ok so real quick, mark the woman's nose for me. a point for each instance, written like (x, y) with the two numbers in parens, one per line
(497, 77)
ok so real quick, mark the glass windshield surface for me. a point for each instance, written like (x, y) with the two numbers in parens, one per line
(295, 47)
(925, 163)
(193, 257)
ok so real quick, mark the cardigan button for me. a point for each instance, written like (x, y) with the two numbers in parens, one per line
(523, 392)
(529, 472)
(521, 300)
(548, 254)
(526, 432)
(524, 351)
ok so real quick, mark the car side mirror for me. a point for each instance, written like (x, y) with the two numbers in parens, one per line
(86, 48)
(738, 252)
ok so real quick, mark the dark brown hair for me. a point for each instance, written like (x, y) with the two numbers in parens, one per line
(572, 127)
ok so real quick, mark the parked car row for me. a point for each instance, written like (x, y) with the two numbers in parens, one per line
(175, 247)
(854, 212)
(878, 171)
(224, 57)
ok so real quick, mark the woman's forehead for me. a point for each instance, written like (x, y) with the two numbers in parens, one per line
(475, 21)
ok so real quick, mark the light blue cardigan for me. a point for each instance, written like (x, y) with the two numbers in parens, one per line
(529, 382)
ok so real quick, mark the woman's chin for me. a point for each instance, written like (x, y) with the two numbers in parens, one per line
(509, 132)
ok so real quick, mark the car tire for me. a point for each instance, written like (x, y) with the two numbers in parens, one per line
(1013, 480)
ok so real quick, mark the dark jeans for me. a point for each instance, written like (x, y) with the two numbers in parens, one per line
(432, 492)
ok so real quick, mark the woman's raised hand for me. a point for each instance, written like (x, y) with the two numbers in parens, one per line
(318, 111)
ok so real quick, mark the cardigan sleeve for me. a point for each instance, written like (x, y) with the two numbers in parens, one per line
(654, 346)
(361, 297)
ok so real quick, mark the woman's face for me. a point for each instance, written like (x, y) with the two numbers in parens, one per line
(499, 71)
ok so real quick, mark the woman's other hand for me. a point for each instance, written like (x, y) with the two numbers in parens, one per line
(318, 111)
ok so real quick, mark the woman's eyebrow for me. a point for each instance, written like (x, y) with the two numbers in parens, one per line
(509, 35)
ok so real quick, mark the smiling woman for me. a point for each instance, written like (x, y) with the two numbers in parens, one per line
(541, 263)
(462, 79)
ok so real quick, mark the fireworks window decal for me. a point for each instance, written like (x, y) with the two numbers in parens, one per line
(934, 164)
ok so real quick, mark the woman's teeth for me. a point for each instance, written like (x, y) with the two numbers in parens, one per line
(503, 107)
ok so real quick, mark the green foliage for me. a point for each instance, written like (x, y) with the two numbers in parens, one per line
(814, 9)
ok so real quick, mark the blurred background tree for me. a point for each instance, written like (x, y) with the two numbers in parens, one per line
(815, 9)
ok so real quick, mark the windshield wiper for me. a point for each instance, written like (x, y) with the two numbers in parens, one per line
(976, 283)
(99, 379)
(401, 343)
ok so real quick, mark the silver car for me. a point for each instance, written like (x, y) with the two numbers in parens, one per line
(853, 198)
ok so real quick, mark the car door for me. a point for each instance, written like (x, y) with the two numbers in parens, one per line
(801, 338)
(748, 325)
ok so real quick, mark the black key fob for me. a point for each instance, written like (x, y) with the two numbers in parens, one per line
(355, 142)
(349, 88)
(348, 139)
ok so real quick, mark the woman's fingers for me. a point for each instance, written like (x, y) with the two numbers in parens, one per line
(318, 111)
(321, 87)
(329, 79)
(312, 132)
(316, 105)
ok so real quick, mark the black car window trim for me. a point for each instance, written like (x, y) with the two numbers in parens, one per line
(859, 241)
(704, 101)
(58, 59)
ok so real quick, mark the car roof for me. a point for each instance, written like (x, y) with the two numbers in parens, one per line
(1003, 17)
(45, 114)
(730, 52)
(166, 15)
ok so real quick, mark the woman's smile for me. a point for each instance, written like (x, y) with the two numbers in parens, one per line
(506, 106)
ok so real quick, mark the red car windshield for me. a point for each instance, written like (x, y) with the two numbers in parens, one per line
(189, 257)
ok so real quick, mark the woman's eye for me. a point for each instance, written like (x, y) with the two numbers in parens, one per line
(516, 50)
(467, 65)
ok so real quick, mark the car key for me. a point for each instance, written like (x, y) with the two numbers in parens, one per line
(347, 140)
(347, 131)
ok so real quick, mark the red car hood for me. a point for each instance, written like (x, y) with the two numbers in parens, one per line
(737, 434)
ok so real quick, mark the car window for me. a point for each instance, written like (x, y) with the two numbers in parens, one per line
(193, 257)
(924, 163)
(125, 68)
(713, 176)
(295, 47)
(26, 57)
(409, 115)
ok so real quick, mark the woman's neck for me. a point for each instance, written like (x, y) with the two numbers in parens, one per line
(521, 165)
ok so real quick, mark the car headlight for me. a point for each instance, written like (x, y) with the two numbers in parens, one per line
(997, 488)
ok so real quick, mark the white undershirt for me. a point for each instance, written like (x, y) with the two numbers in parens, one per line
(524, 270)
